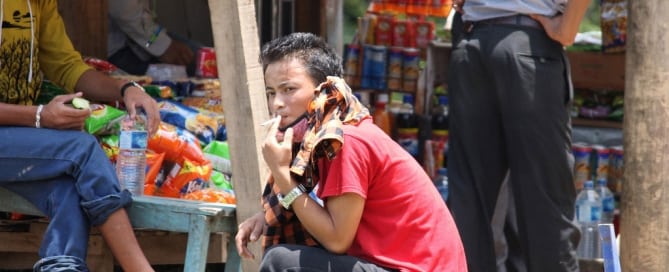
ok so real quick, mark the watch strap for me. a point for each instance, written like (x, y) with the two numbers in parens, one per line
(289, 198)
(128, 85)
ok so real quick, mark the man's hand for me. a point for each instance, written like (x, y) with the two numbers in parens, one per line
(249, 231)
(458, 4)
(136, 97)
(57, 115)
(278, 156)
(177, 53)
(554, 30)
(564, 27)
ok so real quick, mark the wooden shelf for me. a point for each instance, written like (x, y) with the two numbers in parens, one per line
(597, 71)
(583, 122)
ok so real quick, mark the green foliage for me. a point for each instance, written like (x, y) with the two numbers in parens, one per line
(591, 19)
(352, 10)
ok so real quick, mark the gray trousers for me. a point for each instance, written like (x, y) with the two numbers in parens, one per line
(285, 257)
(509, 92)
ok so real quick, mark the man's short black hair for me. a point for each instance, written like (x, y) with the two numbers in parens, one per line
(315, 54)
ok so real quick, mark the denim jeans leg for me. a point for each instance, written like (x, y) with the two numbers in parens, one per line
(65, 241)
(31, 154)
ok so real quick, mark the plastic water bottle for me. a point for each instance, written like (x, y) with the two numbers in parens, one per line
(588, 215)
(441, 182)
(131, 161)
(608, 203)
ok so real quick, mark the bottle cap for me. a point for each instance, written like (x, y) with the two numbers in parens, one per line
(382, 97)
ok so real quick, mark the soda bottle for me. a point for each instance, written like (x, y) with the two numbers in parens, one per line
(588, 216)
(131, 162)
(608, 203)
(382, 118)
(407, 126)
(440, 132)
(441, 182)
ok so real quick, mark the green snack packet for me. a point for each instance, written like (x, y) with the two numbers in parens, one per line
(159, 91)
(103, 119)
(220, 180)
(219, 155)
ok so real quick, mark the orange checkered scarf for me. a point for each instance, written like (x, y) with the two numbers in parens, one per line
(334, 106)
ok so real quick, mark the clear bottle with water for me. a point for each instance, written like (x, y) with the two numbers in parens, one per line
(608, 202)
(131, 161)
(441, 182)
(588, 215)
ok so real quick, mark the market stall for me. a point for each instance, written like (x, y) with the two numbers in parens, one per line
(243, 96)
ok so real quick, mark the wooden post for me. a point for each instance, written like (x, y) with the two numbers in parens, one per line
(244, 103)
(644, 216)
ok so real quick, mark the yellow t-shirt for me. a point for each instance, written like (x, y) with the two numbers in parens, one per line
(53, 54)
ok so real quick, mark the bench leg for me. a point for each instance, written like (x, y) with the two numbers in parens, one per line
(234, 261)
(198, 244)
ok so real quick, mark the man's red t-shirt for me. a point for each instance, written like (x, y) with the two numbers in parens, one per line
(405, 224)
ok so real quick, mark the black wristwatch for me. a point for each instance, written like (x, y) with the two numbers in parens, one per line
(128, 85)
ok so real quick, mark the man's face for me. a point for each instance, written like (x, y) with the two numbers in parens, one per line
(289, 90)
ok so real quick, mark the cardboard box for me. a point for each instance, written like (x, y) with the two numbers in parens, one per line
(597, 71)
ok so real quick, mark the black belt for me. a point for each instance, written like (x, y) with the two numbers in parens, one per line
(519, 19)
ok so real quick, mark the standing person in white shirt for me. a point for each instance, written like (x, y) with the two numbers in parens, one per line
(136, 40)
(510, 93)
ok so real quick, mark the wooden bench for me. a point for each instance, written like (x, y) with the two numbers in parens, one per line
(198, 219)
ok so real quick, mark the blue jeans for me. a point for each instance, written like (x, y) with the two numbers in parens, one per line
(68, 177)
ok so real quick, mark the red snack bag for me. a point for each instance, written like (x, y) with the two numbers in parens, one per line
(403, 34)
(177, 144)
(100, 65)
(206, 63)
(383, 33)
(154, 162)
(185, 178)
(424, 33)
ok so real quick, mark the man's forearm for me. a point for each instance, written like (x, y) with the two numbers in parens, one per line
(97, 86)
(573, 15)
